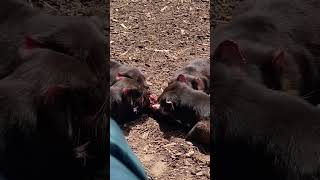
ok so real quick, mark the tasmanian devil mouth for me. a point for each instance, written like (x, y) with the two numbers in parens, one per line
(140, 103)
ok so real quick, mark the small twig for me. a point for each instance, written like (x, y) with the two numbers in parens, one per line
(126, 51)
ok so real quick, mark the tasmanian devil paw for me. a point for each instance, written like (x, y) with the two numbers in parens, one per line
(200, 132)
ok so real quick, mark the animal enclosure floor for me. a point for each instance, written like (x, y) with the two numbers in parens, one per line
(161, 36)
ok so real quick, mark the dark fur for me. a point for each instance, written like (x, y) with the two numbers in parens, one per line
(200, 132)
(188, 96)
(80, 37)
(117, 69)
(197, 74)
(259, 133)
(128, 106)
(262, 28)
(51, 118)
(188, 105)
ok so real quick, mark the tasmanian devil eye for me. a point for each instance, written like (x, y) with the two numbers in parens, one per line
(136, 94)
(194, 85)
(167, 105)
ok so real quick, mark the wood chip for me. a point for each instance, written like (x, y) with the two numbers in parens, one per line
(190, 153)
(171, 144)
(122, 25)
(145, 135)
(160, 50)
(164, 8)
(189, 143)
(199, 173)
(183, 32)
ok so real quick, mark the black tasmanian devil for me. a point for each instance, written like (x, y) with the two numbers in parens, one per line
(128, 100)
(279, 39)
(260, 133)
(180, 103)
(51, 119)
(129, 95)
(186, 100)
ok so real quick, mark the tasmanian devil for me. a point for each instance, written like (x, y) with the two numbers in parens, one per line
(51, 119)
(128, 100)
(196, 73)
(279, 40)
(186, 100)
(259, 133)
(180, 103)
(80, 37)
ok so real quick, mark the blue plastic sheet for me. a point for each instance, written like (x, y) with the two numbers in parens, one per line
(124, 165)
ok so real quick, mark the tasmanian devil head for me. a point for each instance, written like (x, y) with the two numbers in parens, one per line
(129, 98)
(265, 65)
(177, 103)
(196, 73)
(79, 37)
(131, 73)
(70, 100)
(199, 82)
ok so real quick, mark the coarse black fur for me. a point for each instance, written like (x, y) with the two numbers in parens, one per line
(80, 37)
(128, 100)
(197, 74)
(52, 124)
(118, 70)
(180, 103)
(263, 28)
(259, 133)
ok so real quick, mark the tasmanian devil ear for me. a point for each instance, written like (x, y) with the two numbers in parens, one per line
(28, 45)
(54, 92)
(198, 84)
(228, 51)
(131, 92)
(30, 42)
(279, 59)
(126, 91)
(119, 76)
(182, 78)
